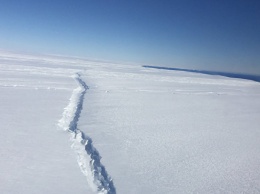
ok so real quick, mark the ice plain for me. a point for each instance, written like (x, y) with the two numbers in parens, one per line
(154, 131)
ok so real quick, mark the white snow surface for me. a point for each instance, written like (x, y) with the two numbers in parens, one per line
(72, 125)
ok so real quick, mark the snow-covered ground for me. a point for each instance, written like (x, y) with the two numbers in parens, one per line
(70, 125)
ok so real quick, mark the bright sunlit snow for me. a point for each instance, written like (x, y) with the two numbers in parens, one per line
(71, 125)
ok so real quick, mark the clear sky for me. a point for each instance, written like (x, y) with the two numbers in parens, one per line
(221, 35)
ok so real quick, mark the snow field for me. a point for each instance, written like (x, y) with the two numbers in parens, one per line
(35, 156)
(174, 132)
(157, 131)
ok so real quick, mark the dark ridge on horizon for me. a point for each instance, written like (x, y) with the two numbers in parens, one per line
(225, 74)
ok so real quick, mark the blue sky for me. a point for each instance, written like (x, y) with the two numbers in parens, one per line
(221, 35)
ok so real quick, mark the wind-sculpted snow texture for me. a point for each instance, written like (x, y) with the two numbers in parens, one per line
(88, 156)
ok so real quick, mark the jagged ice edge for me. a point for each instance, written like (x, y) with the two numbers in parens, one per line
(87, 156)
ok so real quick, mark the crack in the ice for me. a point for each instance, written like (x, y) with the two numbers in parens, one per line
(88, 157)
